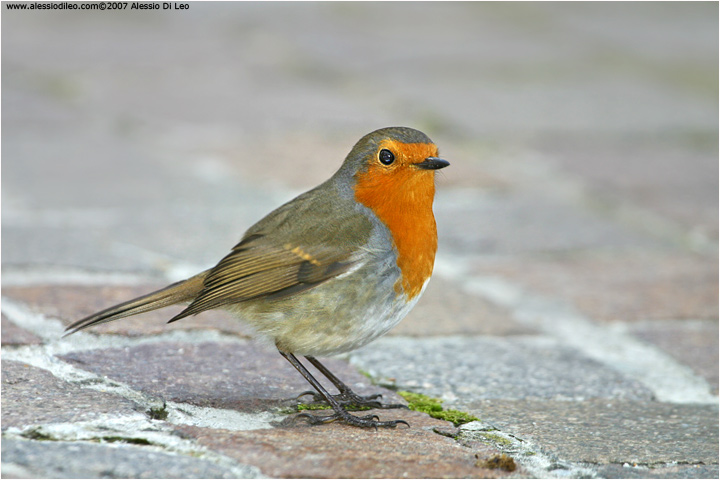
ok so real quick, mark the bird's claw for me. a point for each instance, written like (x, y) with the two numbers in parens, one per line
(368, 421)
(316, 397)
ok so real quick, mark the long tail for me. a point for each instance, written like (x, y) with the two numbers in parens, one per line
(180, 292)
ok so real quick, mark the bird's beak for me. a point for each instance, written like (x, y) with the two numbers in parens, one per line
(432, 163)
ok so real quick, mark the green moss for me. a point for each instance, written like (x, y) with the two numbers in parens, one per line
(496, 439)
(433, 407)
(422, 403)
(158, 413)
(36, 434)
(457, 417)
(312, 406)
(134, 441)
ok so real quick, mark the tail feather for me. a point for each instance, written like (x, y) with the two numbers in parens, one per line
(180, 292)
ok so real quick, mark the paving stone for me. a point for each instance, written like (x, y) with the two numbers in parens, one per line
(237, 376)
(672, 177)
(69, 303)
(149, 241)
(675, 471)
(520, 223)
(340, 451)
(618, 286)
(85, 460)
(33, 396)
(460, 368)
(609, 431)
(80, 248)
(693, 343)
(15, 335)
(444, 309)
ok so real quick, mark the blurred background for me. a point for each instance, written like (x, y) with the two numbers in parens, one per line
(583, 139)
(110, 118)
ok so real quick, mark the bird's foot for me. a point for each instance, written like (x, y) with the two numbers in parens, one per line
(368, 421)
(352, 400)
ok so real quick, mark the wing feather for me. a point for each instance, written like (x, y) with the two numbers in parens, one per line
(275, 265)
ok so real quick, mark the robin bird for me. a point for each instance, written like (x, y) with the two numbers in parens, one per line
(329, 271)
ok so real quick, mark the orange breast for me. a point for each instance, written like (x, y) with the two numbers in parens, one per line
(402, 198)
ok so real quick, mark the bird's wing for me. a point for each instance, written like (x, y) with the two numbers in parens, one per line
(279, 257)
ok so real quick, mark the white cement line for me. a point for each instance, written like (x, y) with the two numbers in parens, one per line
(45, 356)
(669, 380)
(159, 435)
(531, 457)
(51, 331)
(178, 413)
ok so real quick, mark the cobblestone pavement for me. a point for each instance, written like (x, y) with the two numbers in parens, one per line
(574, 307)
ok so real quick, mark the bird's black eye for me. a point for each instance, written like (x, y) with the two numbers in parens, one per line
(386, 156)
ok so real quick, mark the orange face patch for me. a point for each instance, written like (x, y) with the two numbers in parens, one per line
(401, 195)
(407, 153)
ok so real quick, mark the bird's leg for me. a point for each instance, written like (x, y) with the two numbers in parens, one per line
(347, 397)
(340, 412)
